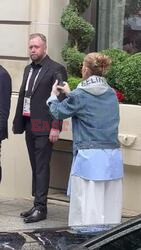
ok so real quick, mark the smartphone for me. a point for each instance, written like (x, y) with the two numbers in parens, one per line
(60, 79)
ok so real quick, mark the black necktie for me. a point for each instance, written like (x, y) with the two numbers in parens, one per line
(35, 71)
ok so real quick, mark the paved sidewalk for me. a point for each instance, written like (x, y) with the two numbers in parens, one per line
(46, 234)
(10, 210)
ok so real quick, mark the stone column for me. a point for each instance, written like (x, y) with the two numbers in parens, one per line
(18, 19)
(45, 18)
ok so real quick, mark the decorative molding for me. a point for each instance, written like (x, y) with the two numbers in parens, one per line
(15, 22)
(127, 140)
(16, 58)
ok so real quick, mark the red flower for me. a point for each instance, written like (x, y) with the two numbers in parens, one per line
(119, 95)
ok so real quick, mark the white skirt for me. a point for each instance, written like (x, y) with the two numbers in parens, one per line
(95, 202)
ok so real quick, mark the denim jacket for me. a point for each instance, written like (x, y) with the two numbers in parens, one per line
(94, 109)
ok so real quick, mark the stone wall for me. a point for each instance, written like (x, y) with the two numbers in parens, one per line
(19, 18)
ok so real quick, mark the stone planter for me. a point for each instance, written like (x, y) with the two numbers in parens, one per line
(66, 133)
(130, 139)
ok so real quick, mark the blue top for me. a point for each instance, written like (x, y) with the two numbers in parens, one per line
(98, 164)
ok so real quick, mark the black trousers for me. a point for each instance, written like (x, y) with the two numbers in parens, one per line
(39, 150)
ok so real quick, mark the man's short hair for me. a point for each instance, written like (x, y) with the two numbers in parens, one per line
(43, 37)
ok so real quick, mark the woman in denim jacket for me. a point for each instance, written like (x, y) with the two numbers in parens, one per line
(95, 185)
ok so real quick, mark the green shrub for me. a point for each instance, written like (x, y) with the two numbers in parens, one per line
(74, 60)
(73, 81)
(128, 79)
(125, 74)
(136, 55)
(118, 56)
(81, 6)
(81, 33)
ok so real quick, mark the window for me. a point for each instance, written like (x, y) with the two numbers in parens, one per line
(110, 24)
(119, 25)
(132, 26)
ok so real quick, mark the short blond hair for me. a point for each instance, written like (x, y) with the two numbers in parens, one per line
(97, 63)
(34, 35)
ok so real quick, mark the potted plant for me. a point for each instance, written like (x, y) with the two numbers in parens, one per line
(80, 32)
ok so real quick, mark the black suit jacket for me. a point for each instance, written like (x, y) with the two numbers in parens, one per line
(41, 118)
(5, 101)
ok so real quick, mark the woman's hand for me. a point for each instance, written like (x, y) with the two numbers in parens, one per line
(56, 89)
(64, 89)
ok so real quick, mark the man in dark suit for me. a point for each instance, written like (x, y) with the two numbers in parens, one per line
(33, 117)
(5, 100)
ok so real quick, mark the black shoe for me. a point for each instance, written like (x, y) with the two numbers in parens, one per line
(36, 216)
(27, 213)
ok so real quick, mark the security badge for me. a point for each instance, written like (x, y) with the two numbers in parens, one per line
(26, 106)
(27, 99)
(26, 102)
